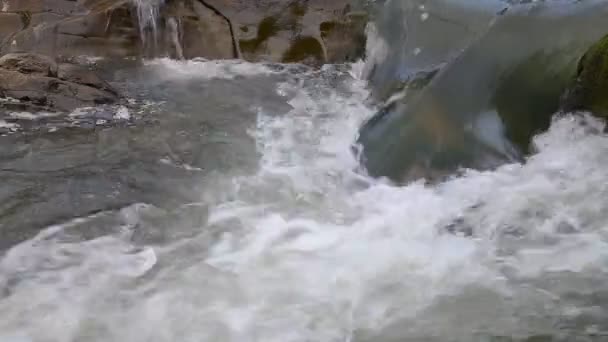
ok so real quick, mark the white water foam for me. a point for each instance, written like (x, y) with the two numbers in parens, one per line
(306, 249)
(8, 125)
(198, 68)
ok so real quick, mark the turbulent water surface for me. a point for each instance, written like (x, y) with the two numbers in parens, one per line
(236, 213)
(226, 205)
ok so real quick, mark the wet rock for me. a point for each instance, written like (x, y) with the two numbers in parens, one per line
(193, 29)
(37, 83)
(590, 90)
(529, 94)
(9, 24)
(311, 31)
(308, 50)
(345, 38)
(82, 75)
(405, 88)
(72, 28)
(29, 63)
(480, 103)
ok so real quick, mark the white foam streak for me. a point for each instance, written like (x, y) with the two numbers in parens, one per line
(203, 69)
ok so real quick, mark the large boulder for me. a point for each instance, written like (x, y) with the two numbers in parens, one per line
(482, 108)
(590, 90)
(37, 83)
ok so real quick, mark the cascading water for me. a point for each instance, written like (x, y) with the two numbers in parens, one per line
(148, 12)
(233, 211)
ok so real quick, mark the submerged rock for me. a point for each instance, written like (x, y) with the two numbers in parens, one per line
(313, 32)
(590, 90)
(37, 83)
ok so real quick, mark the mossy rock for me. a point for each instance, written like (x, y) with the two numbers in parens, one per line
(267, 28)
(529, 94)
(305, 49)
(590, 91)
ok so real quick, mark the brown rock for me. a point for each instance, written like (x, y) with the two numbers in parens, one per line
(29, 63)
(39, 84)
(345, 39)
(64, 27)
(81, 75)
(312, 31)
(10, 23)
(68, 7)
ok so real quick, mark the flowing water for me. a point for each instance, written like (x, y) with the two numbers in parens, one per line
(148, 13)
(228, 206)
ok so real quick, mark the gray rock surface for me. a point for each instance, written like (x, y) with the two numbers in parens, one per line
(37, 83)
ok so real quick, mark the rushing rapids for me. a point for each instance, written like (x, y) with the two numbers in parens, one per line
(229, 207)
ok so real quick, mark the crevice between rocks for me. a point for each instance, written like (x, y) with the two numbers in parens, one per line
(236, 51)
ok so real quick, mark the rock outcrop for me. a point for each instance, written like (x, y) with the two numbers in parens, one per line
(311, 31)
(590, 89)
(35, 82)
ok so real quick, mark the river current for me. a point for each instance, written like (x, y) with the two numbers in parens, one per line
(231, 208)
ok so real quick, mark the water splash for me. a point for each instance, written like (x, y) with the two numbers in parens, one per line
(173, 30)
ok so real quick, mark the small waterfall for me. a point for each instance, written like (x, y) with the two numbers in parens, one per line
(173, 36)
(160, 35)
(148, 12)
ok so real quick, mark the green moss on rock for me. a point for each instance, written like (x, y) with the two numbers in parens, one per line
(304, 49)
(590, 91)
(298, 9)
(267, 28)
(345, 40)
(326, 27)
